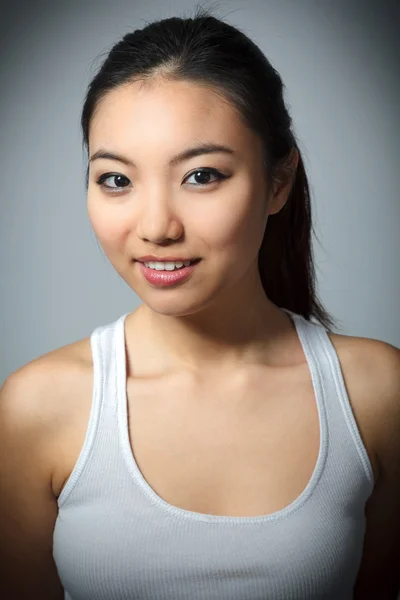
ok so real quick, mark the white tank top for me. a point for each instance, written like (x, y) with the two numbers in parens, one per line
(116, 539)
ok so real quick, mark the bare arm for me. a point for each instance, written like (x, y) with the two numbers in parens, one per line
(28, 507)
(379, 574)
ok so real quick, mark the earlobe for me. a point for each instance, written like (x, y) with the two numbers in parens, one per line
(285, 179)
(276, 203)
(280, 195)
(282, 182)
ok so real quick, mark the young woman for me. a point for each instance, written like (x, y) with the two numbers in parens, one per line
(220, 441)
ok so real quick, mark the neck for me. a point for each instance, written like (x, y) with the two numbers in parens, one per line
(241, 329)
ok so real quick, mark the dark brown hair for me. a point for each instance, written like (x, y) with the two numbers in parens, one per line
(207, 50)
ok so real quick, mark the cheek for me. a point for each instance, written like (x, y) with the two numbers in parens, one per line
(107, 225)
(237, 231)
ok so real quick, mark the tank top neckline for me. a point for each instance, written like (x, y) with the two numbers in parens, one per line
(301, 326)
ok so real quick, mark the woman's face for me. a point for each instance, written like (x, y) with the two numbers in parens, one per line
(163, 208)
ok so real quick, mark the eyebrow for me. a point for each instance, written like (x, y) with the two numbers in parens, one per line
(175, 160)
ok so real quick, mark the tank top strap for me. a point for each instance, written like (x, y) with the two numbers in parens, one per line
(101, 438)
(342, 426)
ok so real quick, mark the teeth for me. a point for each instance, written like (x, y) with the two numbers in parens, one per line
(167, 266)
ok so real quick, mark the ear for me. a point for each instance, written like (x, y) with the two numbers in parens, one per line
(283, 181)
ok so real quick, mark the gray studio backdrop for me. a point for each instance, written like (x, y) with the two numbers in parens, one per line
(340, 63)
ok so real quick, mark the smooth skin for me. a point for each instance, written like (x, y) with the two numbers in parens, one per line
(221, 316)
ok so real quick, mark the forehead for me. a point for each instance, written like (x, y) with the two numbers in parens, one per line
(163, 112)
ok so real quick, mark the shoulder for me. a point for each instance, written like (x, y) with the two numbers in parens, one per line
(44, 395)
(372, 369)
(49, 376)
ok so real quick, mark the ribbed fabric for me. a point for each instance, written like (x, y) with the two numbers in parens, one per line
(116, 539)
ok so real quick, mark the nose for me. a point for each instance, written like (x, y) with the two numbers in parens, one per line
(158, 221)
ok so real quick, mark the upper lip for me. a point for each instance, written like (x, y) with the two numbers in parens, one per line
(151, 258)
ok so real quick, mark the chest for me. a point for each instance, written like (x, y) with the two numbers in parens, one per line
(222, 451)
(221, 448)
(226, 451)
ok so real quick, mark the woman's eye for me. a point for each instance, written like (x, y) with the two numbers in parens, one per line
(113, 176)
(201, 176)
(204, 174)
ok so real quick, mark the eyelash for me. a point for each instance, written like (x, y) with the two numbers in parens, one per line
(220, 176)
